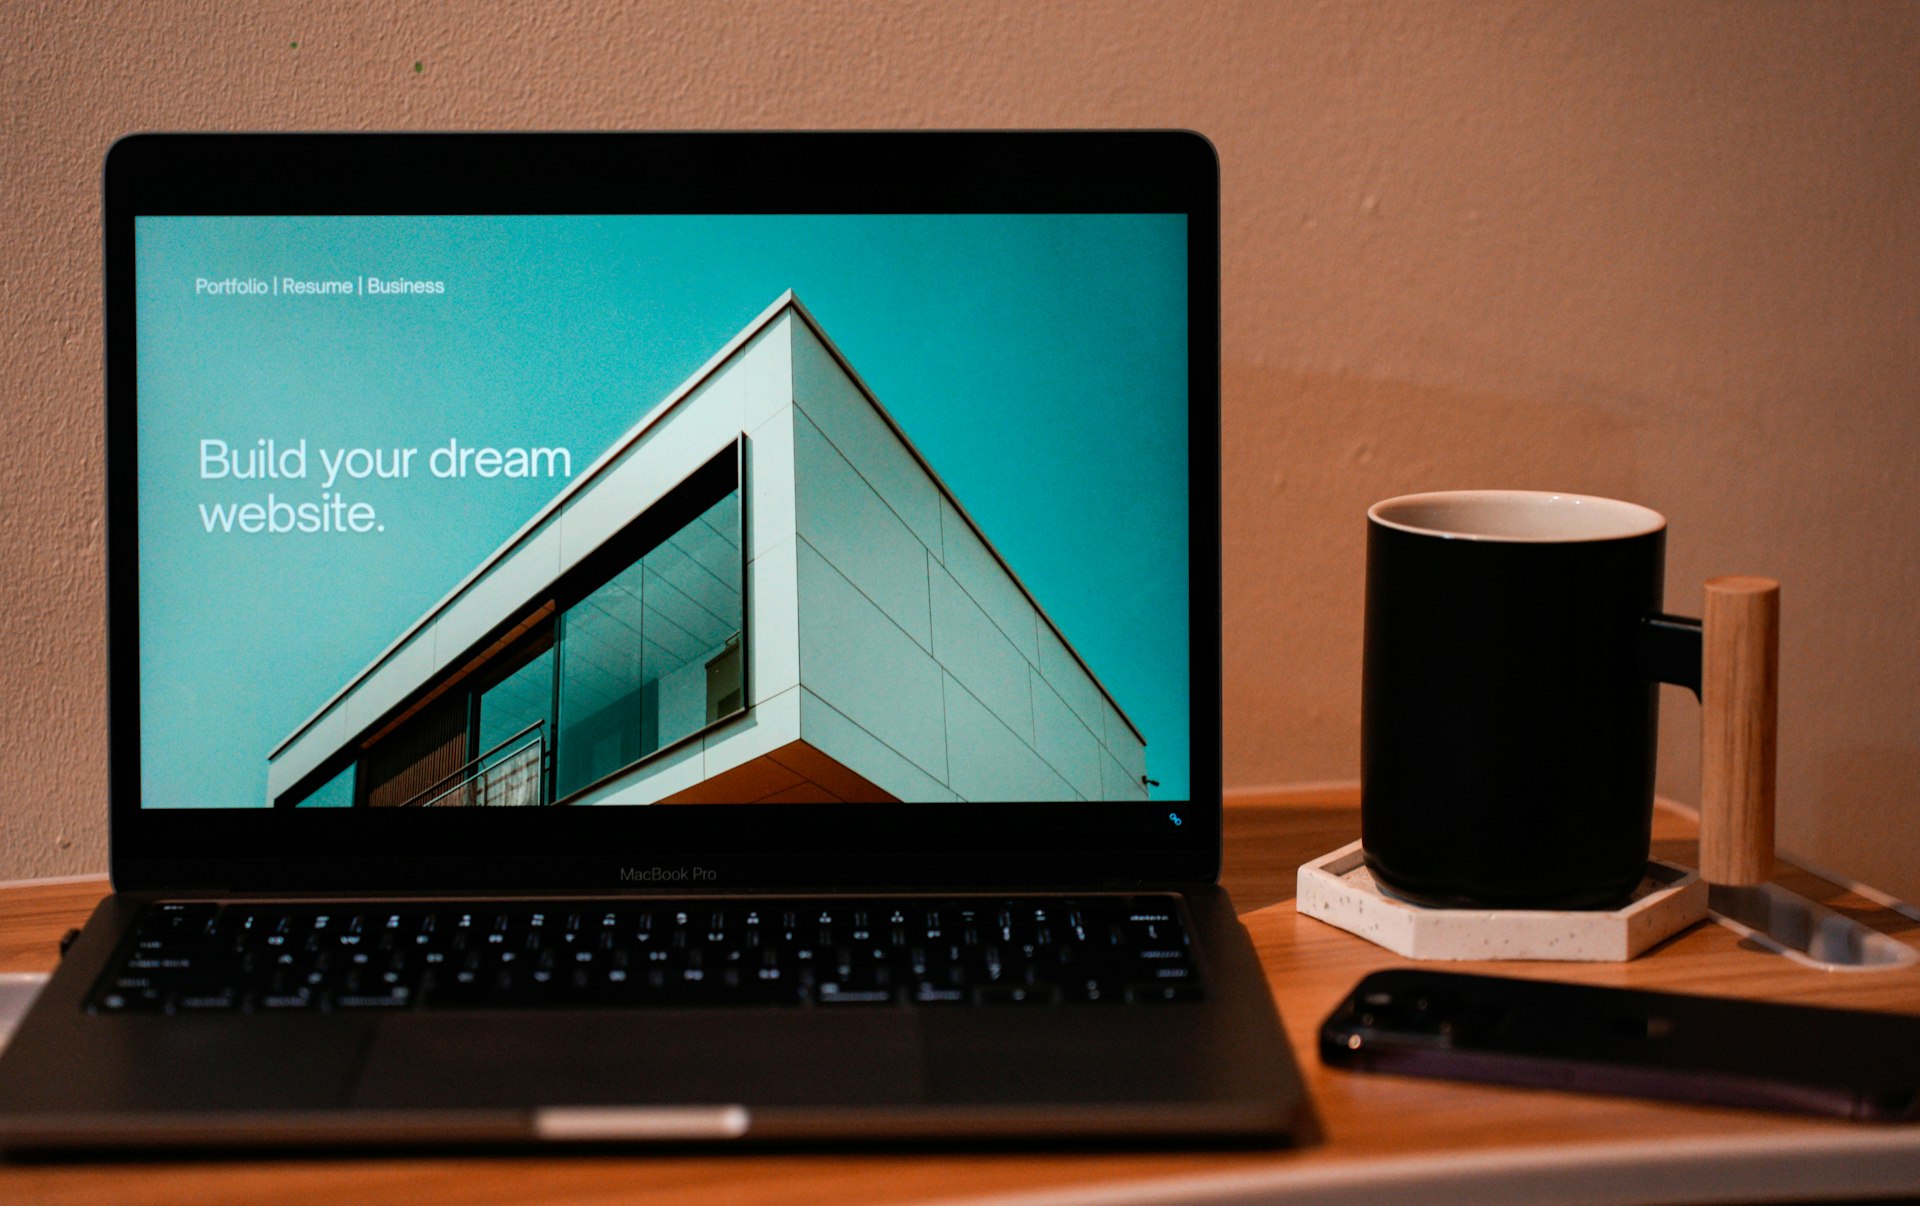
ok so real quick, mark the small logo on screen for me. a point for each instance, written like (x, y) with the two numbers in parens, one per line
(668, 875)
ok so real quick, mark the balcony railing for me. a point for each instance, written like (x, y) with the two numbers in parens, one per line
(511, 774)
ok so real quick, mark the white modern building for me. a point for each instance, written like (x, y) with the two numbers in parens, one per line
(760, 593)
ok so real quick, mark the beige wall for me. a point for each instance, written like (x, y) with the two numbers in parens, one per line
(1666, 252)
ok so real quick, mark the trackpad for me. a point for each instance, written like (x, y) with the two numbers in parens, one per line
(803, 1056)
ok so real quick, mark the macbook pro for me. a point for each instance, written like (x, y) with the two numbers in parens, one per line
(659, 637)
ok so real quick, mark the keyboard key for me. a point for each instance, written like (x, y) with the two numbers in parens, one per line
(1096, 991)
(832, 994)
(927, 993)
(129, 1001)
(1155, 993)
(398, 998)
(1010, 994)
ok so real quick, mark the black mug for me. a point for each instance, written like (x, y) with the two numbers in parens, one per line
(1509, 712)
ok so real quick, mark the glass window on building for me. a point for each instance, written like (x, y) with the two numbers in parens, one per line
(692, 590)
(602, 680)
(654, 655)
(513, 725)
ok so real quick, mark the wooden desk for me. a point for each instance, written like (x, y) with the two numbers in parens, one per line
(1377, 1138)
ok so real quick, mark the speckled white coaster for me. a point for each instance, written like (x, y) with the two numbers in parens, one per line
(1337, 889)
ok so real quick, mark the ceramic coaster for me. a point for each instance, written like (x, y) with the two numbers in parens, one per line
(1337, 889)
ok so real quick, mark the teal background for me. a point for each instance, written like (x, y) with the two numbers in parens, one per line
(1038, 362)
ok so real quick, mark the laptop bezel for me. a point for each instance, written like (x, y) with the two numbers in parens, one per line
(740, 847)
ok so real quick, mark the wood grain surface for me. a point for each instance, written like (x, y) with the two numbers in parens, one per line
(1368, 1130)
(1739, 728)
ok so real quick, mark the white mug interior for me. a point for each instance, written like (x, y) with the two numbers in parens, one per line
(1520, 516)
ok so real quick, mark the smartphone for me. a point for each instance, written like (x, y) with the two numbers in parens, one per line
(1842, 1062)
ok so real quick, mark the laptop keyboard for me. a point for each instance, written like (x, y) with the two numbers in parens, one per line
(196, 957)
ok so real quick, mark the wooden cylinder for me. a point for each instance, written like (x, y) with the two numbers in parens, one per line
(1739, 697)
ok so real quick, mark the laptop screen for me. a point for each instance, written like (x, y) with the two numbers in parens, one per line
(441, 513)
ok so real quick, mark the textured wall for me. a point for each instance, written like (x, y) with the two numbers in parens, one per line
(1661, 252)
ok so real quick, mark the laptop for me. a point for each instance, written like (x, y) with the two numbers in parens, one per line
(633, 638)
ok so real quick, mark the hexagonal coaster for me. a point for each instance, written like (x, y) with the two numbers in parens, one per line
(1337, 889)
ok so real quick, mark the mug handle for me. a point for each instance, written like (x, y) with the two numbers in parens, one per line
(1731, 661)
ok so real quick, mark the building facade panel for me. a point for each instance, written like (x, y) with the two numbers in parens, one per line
(826, 729)
(989, 761)
(405, 668)
(857, 659)
(1061, 670)
(975, 651)
(981, 575)
(521, 576)
(760, 731)
(822, 389)
(770, 489)
(1121, 742)
(803, 793)
(773, 622)
(314, 745)
(653, 780)
(1063, 741)
(849, 524)
(1116, 782)
(763, 373)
